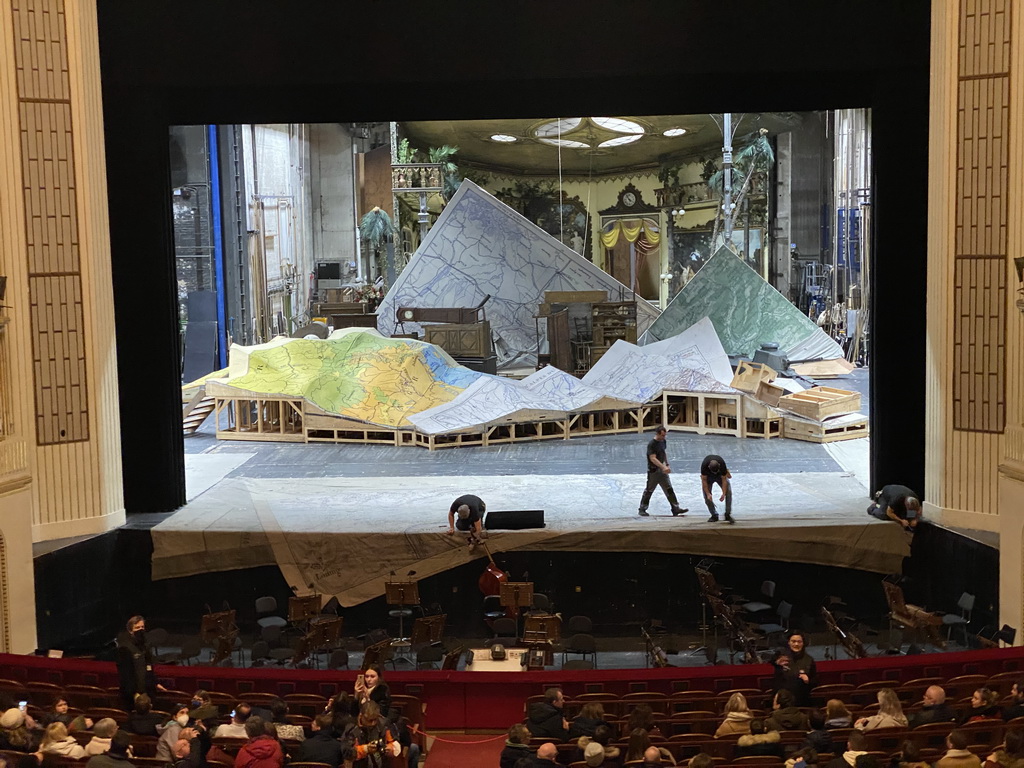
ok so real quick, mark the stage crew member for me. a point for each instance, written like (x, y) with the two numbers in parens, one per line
(899, 504)
(712, 471)
(470, 510)
(658, 471)
(795, 671)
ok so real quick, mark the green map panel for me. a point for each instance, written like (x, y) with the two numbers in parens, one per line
(360, 375)
(745, 310)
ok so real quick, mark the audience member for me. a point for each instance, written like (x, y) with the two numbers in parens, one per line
(236, 728)
(203, 707)
(103, 732)
(368, 736)
(116, 756)
(545, 719)
(591, 715)
(603, 737)
(652, 756)
(909, 756)
(957, 755)
(134, 662)
(170, 732)
(737, 717)
(14, 733)
(517, 745)
(786, 715)
(759, 741)
(856, 745)
(279, 717)
(818, 737)
(370, 686)
(57, 741)
(142, 721)
(935, 709)
(984, 706)
(410, 749)
(866, 761)
(701, 760)
(795, 670)
(1016, 707)
(320, 747)
(837, 715)
(594, 756)
(639, 742)
(526, 762)
(261, 750)
(1011, 753)
(340, 706)
(59, 714)
(546, 754)
(890, 713)
(642, 716)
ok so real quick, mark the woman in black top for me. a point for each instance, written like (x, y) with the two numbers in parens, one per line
(370, 686)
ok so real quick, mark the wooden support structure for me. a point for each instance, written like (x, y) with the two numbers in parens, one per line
(272, 419)
(704, 413)
(847, 427)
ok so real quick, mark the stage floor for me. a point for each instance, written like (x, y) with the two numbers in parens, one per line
(341, 518)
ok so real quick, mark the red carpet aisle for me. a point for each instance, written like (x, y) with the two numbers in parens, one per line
(457, 750)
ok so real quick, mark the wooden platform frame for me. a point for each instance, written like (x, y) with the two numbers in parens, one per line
(270, 419)
(704, 413)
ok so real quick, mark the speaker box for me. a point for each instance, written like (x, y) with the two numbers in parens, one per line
(514, 520)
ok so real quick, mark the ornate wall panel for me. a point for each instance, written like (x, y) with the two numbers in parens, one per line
(51, 225)
(980, 239)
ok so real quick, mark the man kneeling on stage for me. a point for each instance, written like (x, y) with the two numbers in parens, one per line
(899, 504)
(470, 510)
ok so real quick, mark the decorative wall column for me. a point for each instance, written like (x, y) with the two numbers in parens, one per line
(56, 255)
(968, 260)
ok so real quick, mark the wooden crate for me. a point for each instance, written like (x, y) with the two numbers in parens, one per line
(267, 419)
(846, 427)
(770, 393)
(765, 428)
(820, 403)
(749, 376)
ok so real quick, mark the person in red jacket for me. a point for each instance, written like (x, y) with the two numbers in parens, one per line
(261, 750)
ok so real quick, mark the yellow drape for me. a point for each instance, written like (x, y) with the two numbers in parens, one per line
(631, 233)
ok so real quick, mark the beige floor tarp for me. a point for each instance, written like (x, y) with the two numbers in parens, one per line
(345, 536)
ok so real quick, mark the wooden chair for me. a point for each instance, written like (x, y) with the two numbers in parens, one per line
(98, 713)
(964, 685)
(757, 760)
(932, 735)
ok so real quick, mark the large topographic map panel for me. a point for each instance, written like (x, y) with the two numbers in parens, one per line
(478, 247)
(359, 375)
(746, 311)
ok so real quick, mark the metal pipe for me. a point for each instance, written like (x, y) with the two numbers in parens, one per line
(218, 245)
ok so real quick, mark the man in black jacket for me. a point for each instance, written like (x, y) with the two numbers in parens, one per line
(935, 709)
(545, 718)
(135, 663)
(795, 671)
(320, 747)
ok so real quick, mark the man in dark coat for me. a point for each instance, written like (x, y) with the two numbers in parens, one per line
(545, 718)
(935, 709)
(116, 756)
(134, 662)
(320, 747)
(795, 671)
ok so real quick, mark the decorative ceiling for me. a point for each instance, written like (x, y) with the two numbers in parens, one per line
(586, 145)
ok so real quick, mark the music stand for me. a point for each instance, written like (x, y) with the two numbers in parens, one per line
(219, 628)
(401, 593)
(428, 629)
(302, 609)
(542, 628)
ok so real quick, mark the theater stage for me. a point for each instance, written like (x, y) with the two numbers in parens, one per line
(385, 508)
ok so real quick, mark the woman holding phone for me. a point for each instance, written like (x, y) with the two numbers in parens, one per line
(370, 686)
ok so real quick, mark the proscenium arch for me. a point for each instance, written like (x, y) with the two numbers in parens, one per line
(261, 61)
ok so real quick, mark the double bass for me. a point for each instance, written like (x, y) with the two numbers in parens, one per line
(491, 579)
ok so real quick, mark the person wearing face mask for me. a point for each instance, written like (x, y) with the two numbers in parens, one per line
(134, 662)
(171, 731)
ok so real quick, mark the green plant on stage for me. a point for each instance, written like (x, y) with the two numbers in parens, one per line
(755, 157)
(375, 229)
(449, 170)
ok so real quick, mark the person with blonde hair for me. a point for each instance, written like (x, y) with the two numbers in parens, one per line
(984, 706)
(890, 713)
(737, 717)
(837, 715)
(58, 742)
